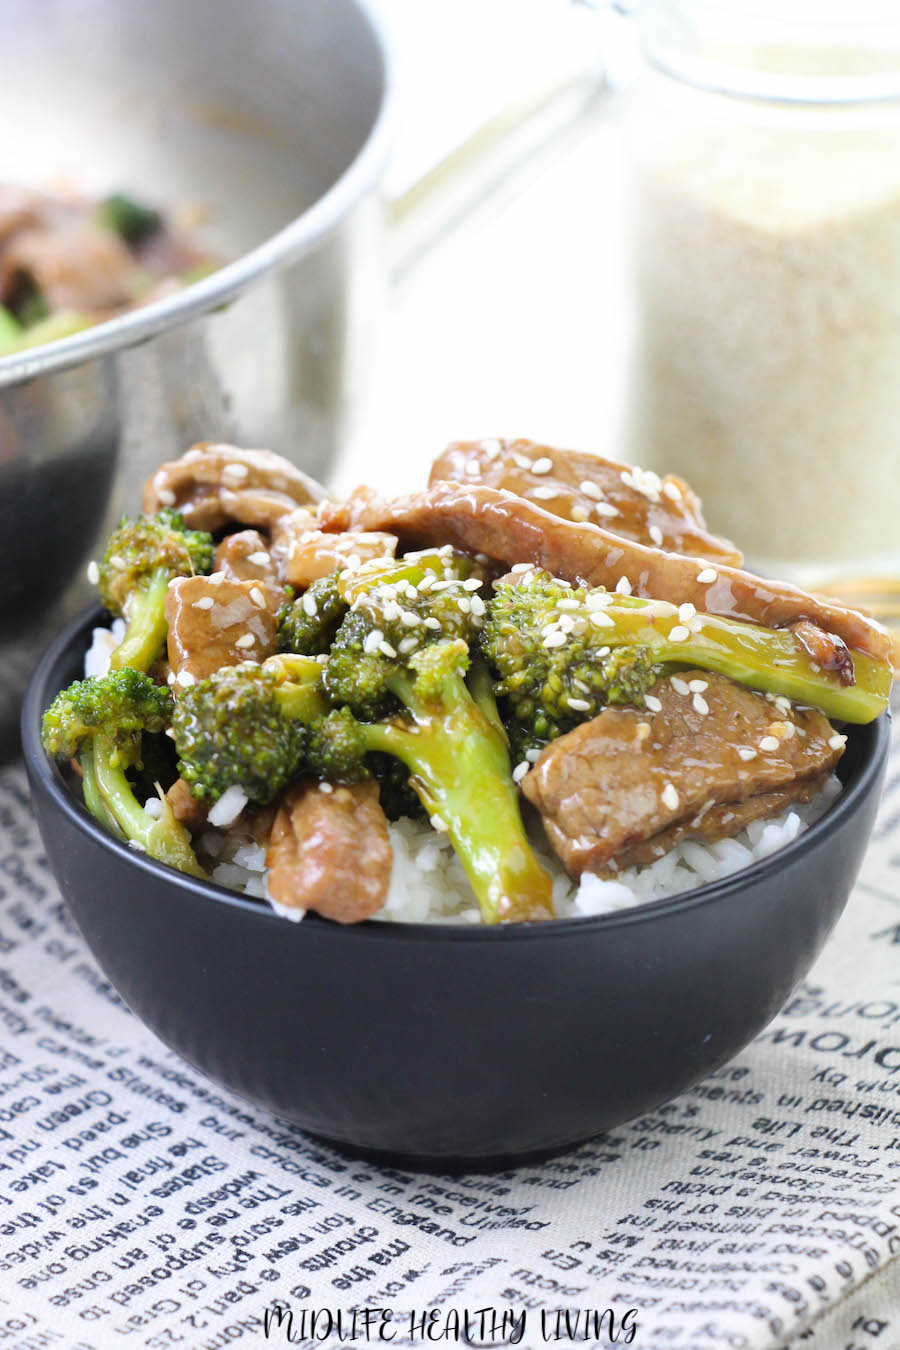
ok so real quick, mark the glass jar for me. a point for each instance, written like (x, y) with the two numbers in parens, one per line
(766, 154)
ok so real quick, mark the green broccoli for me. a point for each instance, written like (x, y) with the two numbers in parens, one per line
(100, 723)
(141, 558)
(247, 726)
(127, 218)
(307, 623)
(561, 653)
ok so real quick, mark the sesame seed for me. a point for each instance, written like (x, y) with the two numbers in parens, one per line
(600, 619)
(578, 704)
(432, 623)
(566, 623)
(259, 559)
(440, 824)
(238, 471)
(606, 509)
(407, 645)
(544, 493)
(116, 561)
(642, 731)
(216, 578)
(93, 572)
(409, 619)
(700, 705)
(372, 641)
(205, 602)
(656, 535)
(652, 702)
(592, 490)
(477, 606)
(697, 686)
(533, 755)
(491, 447)
(555, 639)
(327, 788)
(257, 597)
(686, 611)
(679, 633)
(769, 743)
(672, 491)
(623, 586)
(170, 678)
(707, 576)
(185, 679)
(170, 733)
(473, 584)
(837, 742)
(464, 604)
(166, 496)
(309, 605)
(679, 685)
(522, 461)
(246, 640)
(579, 515)
(471, 469)
(386, 649)
(598, 599)
(746, 752)
(520, 771)
(696, 624)
(670, 797)
(518, 568)
(542, 465)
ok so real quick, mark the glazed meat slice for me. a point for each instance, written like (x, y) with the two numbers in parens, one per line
(511, 529)
(635, 503)
(303, 552)
(636, 776)
(245, 556)
(213, 485)
(186, 808)
(329, 851)
(77, 266)
(214, 622)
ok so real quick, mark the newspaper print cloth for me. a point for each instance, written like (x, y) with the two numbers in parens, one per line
(142, 1205)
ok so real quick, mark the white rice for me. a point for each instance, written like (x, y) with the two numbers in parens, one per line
(428, 884)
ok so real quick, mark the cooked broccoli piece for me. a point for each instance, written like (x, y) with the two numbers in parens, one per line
(247, 726)
(307, 623)
(127, 218)
(100, 723)
(141, 558)
(561, 653)
(398, 668)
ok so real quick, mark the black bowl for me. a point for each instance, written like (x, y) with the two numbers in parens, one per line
(450, 1045)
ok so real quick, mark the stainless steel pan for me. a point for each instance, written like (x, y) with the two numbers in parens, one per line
(272, 116)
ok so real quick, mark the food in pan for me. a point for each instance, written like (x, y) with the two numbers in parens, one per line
(538, 688)
(67, 263)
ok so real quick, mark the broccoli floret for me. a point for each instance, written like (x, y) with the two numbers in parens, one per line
(398, 664)
(308, 623)
(127, 218)
(247, 726)
(561, 653)
(100, 723)
(141, 558)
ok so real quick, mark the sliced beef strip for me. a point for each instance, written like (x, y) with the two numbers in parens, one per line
(511, 529)
(304, 552)
(628, 501)
(214, 485)
(76, 266)
(245, 556)
(719, 821)
(632, 775)
(329, 851)
(186, 808)
(211, 621)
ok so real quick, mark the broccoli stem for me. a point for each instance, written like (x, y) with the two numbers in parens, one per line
(91, 791)
(164, 839)
(147, 627)
(459, 768)
(769, 659)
